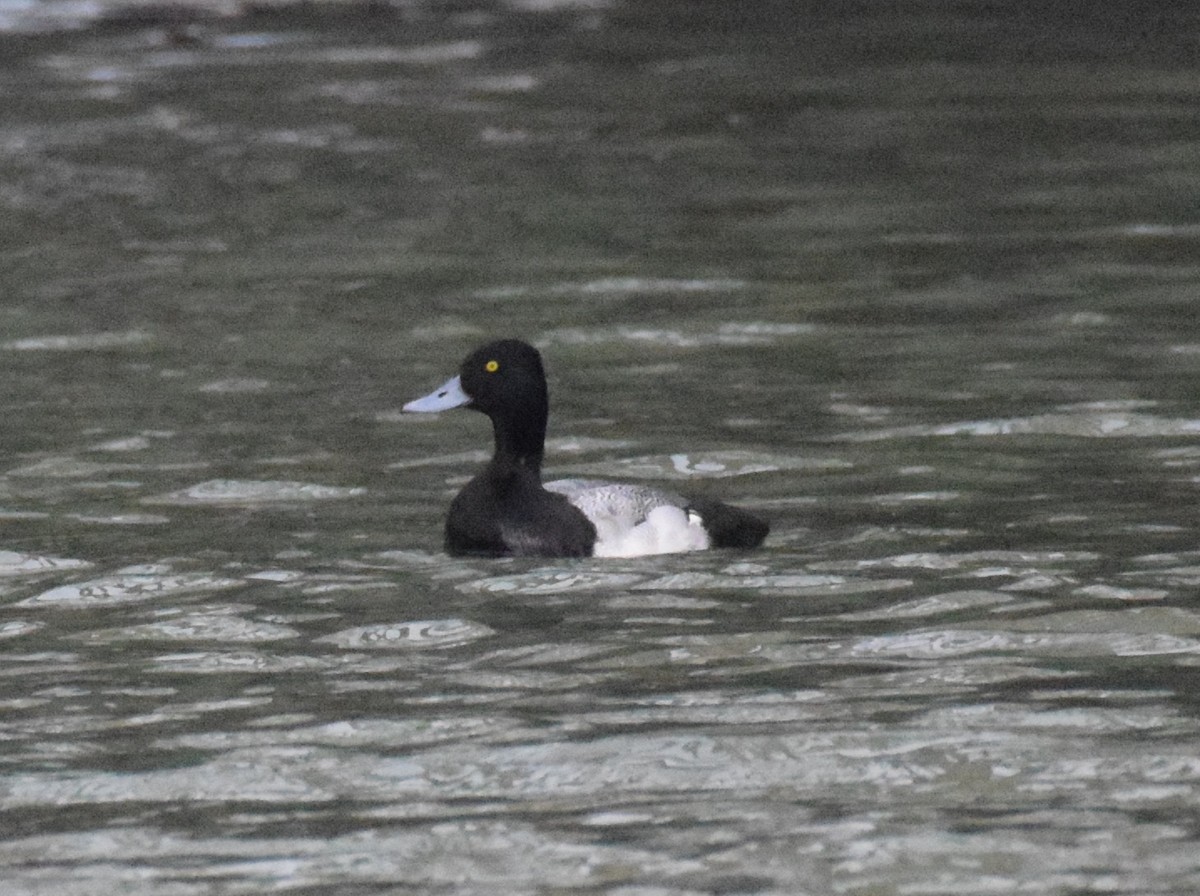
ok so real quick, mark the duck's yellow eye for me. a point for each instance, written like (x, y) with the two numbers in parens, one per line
(491, 366)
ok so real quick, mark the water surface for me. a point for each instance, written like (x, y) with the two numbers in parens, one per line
(915, 282)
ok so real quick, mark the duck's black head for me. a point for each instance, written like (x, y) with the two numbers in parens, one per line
(506, 378)
(506, 381)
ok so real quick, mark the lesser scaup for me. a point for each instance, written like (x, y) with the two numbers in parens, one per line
(506, 509)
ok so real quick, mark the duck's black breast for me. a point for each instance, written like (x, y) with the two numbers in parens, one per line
(504, 511)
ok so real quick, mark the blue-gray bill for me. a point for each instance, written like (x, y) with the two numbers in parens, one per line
(446, 396)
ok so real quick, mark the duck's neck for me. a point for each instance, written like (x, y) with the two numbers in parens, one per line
(521, 442)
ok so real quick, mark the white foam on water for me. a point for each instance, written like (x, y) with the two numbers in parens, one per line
(399, 635)
(553, 581)
(1083, 423)
(127, 589)
(206, 626)
(236, 386)
(15, 628)
(14, 563)
(704, 465)
(79, 342)
(253, 492)
(934, 605)
(122, 519)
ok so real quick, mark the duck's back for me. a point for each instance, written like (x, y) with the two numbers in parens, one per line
(630, 501)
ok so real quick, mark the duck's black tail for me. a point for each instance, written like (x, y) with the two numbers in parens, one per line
(728, 526)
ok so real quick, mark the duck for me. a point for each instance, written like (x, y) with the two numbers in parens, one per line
(507, 510)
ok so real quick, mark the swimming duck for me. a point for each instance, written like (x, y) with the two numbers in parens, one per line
(507, 509)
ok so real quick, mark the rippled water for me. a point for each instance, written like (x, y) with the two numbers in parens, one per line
(917, 282)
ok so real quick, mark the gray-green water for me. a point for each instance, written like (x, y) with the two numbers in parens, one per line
(916, 281)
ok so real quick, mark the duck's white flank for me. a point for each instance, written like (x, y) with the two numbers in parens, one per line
(634, 520)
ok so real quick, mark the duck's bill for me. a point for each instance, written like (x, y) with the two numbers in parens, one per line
(449, 395)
